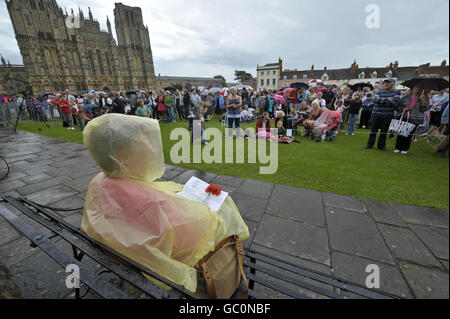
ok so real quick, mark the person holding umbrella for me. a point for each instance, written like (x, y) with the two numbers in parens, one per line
(414, 106)
(386, 102)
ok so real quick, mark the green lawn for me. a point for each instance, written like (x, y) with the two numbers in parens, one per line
(344, 167)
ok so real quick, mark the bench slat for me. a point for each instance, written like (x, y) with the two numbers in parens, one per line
(295, 281)
(96, 283)
(362, 291)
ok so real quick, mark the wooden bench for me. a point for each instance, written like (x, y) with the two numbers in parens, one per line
(279, 278)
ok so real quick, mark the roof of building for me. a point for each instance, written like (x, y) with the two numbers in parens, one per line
(186, 78)
(402, 73)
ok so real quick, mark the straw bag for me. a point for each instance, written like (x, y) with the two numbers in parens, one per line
(402, 128)
(219, 273)
(437, 137)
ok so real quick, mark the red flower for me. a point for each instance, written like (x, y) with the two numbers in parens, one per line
(214, 190)
(217, 191)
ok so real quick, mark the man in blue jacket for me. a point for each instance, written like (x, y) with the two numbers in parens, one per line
(386, 102)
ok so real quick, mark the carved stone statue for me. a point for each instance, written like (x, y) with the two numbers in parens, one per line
(374, 74)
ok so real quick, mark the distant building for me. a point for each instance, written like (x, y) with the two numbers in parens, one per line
(62, 51)
(354, 74)
(268, 76)
(12, 78)
(187, 82)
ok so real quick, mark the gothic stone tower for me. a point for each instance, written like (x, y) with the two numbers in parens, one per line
(58, 55)
(134, 46)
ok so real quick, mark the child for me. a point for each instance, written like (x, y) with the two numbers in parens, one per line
(143, 110)
(263, 126)
(366, 112)
(199, 113)
(281, 129)
(247, 114)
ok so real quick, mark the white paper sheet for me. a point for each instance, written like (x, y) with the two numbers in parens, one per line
(195, 189)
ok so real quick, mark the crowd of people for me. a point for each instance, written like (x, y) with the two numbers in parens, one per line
(322, 111)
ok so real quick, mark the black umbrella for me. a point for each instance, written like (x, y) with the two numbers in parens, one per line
(131, 91)
(428, 83)
(170, 89)
(362, 85)
(299, 85)
(43, 96)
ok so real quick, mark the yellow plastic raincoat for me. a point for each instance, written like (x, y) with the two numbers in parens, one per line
(145, 220)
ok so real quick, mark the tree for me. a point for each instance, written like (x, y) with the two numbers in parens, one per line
(242, 76)
(224, 82)
(178, 87)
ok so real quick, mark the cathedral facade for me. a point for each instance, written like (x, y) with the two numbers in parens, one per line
(69, 51)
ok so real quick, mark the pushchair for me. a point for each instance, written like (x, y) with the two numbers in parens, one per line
(326, 125)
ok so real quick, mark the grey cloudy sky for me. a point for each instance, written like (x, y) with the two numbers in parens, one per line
(210, 37)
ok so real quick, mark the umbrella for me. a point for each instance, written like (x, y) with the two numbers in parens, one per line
(289, 90)
(46, 94)
(279, 98)
(243, 86)
(401, 87)
(171, 89)
(317, 82)
(133, 91)
(101, 92)
(300, 85)
(321, 90)
(91, 91)
(215, 90)
(428, 83)
(362, 85)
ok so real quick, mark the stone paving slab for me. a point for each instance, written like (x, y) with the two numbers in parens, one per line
(48, 283)
(10, 185)
(184, 177)
(426, 283)
(383, 213)
(256, 189)
(252, 228)
(13, 175)
(353, 269)
(346, 202)
(436, 239)
(251, 208)
(228, 180)
(33, 188)
(8, 288)
(422, 215)
(7, 233)
(297, 204)
(297, 239)
(35, 178)
(51, 195)
(15, 251)
(407, 247)
(356, 234)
